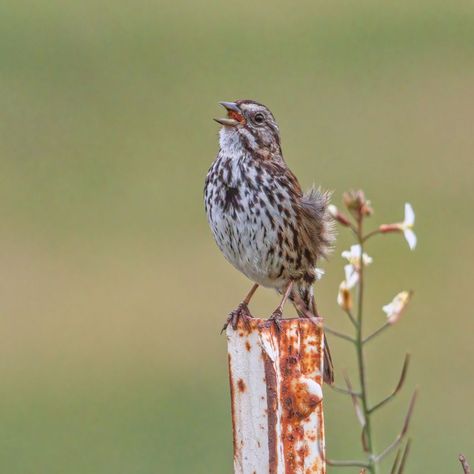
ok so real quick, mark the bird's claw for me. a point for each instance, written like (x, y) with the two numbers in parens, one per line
(275, 319)
(241, 312)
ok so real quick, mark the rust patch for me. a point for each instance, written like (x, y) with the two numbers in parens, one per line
(272, 404)
(241, 385)
(292, 432)
(318, 467)
(232, 407)
(299, 362)
(305, 401)
(248, 346)
(311, 359)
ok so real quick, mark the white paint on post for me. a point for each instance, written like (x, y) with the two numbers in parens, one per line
(248, 405)
(277, 409)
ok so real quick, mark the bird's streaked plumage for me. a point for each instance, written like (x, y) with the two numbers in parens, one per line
(260, 218)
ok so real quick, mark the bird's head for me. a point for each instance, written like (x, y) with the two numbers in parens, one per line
(251, 127)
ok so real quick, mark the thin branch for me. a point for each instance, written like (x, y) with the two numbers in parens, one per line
(464, 464)
(399, 386)
(351, 317)
(406, 451)
(344, 390)
(354, 230)
(350, 463)
(402, 433)
(362, 409)
(364, 440)
(371, 234)
(339, 334)
(395, 463)
(358, 409)
(376, 333)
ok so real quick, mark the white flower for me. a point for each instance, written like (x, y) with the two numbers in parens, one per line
(351, 276)
(353, 256)
(407, 226)
(394, 309)
(351, 270)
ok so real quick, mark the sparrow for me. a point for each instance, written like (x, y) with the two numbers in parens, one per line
(262, 221)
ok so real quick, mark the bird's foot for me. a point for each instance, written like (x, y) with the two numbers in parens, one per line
(241, 312)
(275, 319)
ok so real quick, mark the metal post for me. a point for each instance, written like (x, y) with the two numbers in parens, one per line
(277, 410)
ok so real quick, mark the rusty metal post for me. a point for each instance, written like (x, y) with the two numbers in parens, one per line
(277, 409)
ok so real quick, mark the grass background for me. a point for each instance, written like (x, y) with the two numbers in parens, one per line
(112, 291)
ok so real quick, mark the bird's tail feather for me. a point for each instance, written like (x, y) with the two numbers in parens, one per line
(318, 223)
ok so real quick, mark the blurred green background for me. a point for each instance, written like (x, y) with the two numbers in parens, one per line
(112, 290)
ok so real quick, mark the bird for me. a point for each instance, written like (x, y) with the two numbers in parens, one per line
(262, 221)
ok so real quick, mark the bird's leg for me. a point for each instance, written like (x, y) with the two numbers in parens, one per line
(241, 311)
(278, 313)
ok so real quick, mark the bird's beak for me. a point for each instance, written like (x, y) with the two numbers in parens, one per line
(234, 115)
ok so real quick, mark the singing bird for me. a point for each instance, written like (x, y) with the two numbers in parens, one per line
(263, 223)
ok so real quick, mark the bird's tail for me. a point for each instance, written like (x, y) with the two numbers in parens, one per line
(306, 296)
(317, 221)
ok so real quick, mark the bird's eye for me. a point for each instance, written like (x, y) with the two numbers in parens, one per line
(259, 118)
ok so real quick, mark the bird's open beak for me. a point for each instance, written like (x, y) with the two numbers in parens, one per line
(234, 115)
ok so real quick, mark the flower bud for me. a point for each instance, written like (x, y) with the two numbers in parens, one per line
(344, 297)
(357, 204)
(385, 228)
(338, 216)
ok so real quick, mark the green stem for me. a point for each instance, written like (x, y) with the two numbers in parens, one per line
(372, 468)
(370, 234)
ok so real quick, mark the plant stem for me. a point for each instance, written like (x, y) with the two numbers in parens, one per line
(372, 468)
